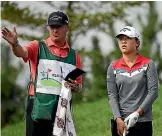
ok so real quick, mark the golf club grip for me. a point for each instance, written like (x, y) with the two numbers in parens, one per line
(124, 133)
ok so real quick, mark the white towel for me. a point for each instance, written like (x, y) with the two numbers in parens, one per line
(63, 125)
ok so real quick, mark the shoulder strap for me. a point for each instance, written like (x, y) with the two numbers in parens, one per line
(31, 80)
(36, 71)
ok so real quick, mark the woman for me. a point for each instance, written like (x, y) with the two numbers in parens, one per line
(132, 86)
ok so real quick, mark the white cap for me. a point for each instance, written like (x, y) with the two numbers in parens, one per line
(129, 31)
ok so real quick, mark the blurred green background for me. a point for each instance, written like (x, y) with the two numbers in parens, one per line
(98, 20)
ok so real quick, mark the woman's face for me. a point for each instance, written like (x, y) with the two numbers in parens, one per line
(127, 45)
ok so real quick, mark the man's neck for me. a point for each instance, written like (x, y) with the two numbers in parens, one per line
(60, 44)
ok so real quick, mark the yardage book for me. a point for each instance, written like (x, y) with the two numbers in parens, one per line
(74, 74)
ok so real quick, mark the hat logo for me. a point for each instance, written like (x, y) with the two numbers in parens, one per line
(125, 29)
(66, 21)
(56, 18)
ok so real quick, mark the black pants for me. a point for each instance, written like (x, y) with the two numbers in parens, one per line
(40, 128)
(140, 129)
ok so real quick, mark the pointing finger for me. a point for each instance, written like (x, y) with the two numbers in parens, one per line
(4, 37)
(6, 29)
(4, 33)
(14, 29)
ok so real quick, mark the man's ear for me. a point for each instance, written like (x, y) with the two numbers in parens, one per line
(48, 28)
(68, 27)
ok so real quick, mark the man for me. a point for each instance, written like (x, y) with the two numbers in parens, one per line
(50, 61)
(132, 86)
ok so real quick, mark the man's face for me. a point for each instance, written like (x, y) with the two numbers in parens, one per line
(127, 44)
(58, 33)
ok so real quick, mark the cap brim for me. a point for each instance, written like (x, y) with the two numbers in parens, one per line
(117, 36)
(50, 24)
(56, 23)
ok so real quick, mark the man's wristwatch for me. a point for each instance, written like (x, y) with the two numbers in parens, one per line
(16, 44)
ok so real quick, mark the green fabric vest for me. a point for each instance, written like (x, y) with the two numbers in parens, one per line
(47, 86)
(44, 53)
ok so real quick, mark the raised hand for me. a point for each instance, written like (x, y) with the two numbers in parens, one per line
(10, 36)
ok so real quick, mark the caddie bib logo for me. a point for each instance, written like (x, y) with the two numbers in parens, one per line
(48, 78)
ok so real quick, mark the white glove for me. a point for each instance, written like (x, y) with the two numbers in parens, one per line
(131, 120)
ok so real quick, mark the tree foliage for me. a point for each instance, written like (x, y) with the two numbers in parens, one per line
(12, 95)
(84, 16)
(98, 83)
(150, 45)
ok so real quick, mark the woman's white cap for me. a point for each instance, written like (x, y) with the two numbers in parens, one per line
(129, 31)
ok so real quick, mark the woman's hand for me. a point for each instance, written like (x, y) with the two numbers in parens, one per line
(121, 126)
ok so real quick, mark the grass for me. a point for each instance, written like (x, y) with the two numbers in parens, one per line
(93, 119)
